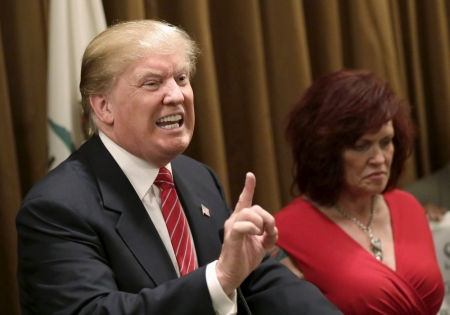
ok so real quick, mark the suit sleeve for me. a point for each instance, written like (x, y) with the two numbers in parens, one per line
(63, 269)
(273, 289)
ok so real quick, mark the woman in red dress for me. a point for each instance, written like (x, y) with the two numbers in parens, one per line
(365, 244)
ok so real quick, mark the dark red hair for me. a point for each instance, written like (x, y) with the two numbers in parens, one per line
(334, 112)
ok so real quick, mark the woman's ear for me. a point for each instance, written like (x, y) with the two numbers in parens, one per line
(102, 108)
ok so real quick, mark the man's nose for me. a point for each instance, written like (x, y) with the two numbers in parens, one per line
(173, 94)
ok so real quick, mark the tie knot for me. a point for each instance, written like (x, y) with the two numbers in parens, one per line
(164, 179)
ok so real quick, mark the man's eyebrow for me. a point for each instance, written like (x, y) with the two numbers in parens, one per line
(149, 73)
(183, 67)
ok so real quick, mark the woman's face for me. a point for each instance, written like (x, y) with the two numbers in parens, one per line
(367, 164)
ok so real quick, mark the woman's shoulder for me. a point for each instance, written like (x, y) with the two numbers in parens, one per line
(397, 195)
(295, 214)
(402, 202)
(293, 207)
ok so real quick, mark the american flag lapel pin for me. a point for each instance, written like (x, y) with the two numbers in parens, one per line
(205, 211)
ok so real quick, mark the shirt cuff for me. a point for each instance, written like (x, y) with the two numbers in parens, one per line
(223, 304)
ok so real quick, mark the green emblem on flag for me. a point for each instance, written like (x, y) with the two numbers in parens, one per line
(63, 134)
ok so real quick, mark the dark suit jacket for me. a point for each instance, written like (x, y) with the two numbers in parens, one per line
(87, 246)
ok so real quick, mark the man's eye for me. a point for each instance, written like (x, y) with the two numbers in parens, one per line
(151, 85)
(183, 78)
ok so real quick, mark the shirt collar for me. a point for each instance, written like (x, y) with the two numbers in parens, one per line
(139, 172)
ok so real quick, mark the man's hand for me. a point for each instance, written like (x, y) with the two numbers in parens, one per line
(249, 233)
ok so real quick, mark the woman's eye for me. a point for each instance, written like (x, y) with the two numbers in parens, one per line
(361, 146)
(386, 142)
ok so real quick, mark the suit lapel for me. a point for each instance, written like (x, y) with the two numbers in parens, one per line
(203, 228)
(134, 226)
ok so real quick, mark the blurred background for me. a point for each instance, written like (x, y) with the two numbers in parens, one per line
(258, 58)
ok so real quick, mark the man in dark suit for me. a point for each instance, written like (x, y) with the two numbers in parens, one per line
(92, 235)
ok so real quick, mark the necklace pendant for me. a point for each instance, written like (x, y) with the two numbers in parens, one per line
(376, 245)
(377, 248)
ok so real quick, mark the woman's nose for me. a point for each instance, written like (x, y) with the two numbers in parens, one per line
(377, 155)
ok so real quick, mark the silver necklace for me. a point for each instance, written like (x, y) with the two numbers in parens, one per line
(376, 246)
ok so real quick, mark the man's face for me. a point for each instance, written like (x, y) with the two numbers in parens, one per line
(152, 104)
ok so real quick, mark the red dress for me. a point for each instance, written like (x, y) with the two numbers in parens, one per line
(349, 276)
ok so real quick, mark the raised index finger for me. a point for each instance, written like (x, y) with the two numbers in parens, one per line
(246, 196)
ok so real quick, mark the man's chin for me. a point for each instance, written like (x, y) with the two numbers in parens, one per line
(168, 153)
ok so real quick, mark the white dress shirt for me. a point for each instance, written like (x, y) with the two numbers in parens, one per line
(141, 175)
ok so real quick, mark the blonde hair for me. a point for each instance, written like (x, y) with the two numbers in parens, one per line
(110, 53)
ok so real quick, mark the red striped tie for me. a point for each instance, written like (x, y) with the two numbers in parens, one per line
(176, 222)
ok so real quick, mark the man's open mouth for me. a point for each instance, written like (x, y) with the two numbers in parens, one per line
(170, 122)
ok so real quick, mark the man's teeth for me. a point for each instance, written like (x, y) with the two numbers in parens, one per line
(173, 126)
(165, 122)
(170, 118)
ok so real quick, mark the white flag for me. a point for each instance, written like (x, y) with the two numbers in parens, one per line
(73, 24)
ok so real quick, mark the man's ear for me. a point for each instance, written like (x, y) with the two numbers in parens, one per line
(102, 108)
